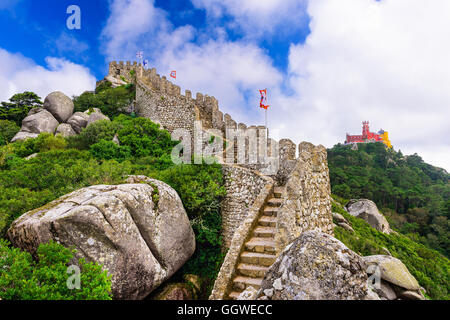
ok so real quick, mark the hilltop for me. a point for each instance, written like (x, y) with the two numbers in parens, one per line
(413, 195)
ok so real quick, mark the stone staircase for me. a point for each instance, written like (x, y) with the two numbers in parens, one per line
(259, 252)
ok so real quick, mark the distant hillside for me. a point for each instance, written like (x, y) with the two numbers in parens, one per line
(415, 195)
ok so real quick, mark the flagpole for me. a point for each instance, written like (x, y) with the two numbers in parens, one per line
(267, 127)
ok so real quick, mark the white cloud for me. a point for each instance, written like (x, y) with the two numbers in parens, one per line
(386, 62)
(258, 18)
(68, 44)
(19, 74)
(130, 23)
(215, 66)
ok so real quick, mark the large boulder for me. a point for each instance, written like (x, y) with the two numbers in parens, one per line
(65, 130)
(393, 271)
(39, 120)
(138, 231)
(78, 121)
(316, 266)
(385, 291)
(22, 135)
(114, 81)
(368, 211)
(60, 105)
(95, 115)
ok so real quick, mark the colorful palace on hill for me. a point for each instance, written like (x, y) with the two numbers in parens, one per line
(369, 137)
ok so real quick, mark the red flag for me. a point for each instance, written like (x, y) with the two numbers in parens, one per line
(173, 74)
(263, 103)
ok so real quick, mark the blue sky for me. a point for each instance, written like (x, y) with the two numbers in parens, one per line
(328, 64)
(38, 29)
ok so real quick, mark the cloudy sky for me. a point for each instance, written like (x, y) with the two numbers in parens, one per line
(328, 64)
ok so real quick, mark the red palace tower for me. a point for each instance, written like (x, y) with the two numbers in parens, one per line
(368, 137)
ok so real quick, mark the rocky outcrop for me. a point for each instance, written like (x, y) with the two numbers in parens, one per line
(138, 231)
(316, 266)
(38, 121)
(368, 211)
(339, 220)
(58, 108)
(114, 81)
(396, 280)
(22, 135)
(65, 130)
(385, 291)
(59, 105)
(95, 116)
(78, 121)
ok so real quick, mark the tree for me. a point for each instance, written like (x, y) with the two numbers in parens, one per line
(8, 130)
(18, 106)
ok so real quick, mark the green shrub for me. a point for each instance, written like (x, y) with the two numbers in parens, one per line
(144, 137)
(26, 185)
(103, 86)
(47, 141)
(108, 150)
(111, 101)
(18, 106)
(97, 131)
(22, 278)
(8, 130)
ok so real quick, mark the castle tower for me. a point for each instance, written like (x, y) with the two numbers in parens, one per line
(365, 131)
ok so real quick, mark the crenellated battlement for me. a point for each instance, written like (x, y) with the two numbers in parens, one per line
(162, 101)
(252, 163)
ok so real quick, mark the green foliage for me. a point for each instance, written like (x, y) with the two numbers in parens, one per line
(91, 158)
(144, 137)
(8, 130)
(201, 190)
(104, 85)
(138, 137)
(109, 150)
(94, 133)
(26, 185)
(18, 106)
(22, 278)
(430, 268)
(415, 195)
(111, 101)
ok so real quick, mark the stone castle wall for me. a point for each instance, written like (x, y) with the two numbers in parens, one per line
(307, 200)
(243, 187)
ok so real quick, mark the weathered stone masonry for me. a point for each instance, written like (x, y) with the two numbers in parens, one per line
(306, 202)
(243, 186)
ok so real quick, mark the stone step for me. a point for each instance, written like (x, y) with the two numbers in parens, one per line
(277, 192)
(241, 283)
(261, 245)
(270, 211)
(252, 270)
(275, 202)
(268, 221)
(262, 259)
(234, 295)
(264, 232)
